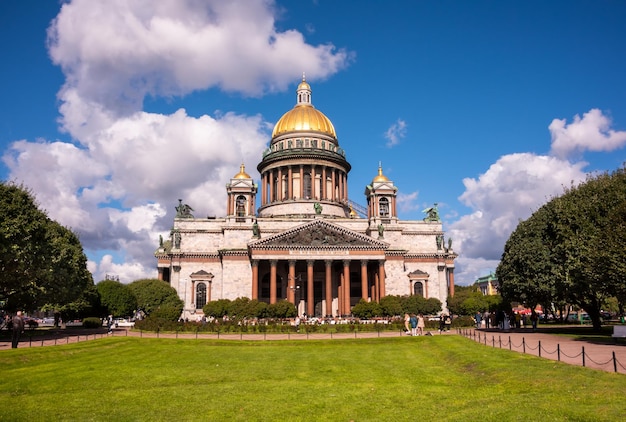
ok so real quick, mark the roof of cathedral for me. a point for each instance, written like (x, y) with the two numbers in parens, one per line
(304, 117)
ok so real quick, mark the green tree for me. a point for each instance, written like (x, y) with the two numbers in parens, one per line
(391, 305)
(116, 298)
(571, 249)
(367, 310)
(152, 294)
(217, 308)
(41, 262)
(282, 309)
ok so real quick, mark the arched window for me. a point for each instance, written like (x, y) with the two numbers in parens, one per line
(383, 206)
(418, 289)
(241, 206)
(200, 295)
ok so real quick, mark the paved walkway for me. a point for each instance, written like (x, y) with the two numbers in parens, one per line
(606, 357)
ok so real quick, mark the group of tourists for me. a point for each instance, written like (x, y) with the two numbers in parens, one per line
(414, 324)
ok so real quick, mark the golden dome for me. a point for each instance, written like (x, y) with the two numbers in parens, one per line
(242, 173)
(381, 177)
(304, 118)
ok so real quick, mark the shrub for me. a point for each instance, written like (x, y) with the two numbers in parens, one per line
(169, 313)
(92, 322)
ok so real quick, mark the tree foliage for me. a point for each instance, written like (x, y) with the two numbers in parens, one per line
(41, 262)
(571, 250)
(468, 300)
(367, 310)
(152, 294)
(116, 298)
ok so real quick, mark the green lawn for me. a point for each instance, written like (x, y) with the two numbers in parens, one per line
(440, 378)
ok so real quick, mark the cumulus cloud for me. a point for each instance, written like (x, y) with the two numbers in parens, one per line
(395, 133)
(118, 182)
(511, 189)
(407, 202)
(116, 52)
(592, 132)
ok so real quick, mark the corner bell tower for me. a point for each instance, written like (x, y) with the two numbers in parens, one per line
(381, 199)
(241, 192)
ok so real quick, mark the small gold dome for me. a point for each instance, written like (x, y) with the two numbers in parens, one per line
(381, 177)
(304, 85)
(242, 173)
(304, 118)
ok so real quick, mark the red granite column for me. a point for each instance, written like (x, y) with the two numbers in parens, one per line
(329, 288)
(273, 263)
(346, 286)
(291, 290)
(193, 291)
(364, 279)
(310, 309)
(255, 279)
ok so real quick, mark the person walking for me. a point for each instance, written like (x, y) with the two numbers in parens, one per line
(407, 321)
(413, 321)
(420, 325)
(18, 329)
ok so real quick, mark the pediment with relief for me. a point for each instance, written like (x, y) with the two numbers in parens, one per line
(319, 234)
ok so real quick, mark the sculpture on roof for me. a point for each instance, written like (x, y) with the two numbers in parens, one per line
(432, 214)
(183, 210)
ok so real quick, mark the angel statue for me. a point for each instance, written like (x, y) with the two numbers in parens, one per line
(432, 213)
(183, 210)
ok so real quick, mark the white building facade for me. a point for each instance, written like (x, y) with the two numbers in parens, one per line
(305, 242)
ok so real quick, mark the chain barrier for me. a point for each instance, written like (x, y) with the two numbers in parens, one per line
(471, 334)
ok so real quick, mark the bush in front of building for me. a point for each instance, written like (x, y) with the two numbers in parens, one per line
(92, 322)
(367, 310)
(169, 313)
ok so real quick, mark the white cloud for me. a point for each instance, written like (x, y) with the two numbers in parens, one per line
(591, 133)
(407, 202)
(395, 133)
(510, 190)
(116, 52)
(127, 272)
(117, 186)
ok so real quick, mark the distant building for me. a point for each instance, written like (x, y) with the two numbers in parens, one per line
(306, 242)
(488, 285)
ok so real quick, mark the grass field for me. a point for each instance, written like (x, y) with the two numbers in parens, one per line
(440, 378)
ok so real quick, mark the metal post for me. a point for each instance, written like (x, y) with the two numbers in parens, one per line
(523, 345)
(614, 362)
(539, 348)
(558, 352)
(510, 347)
(583, 356)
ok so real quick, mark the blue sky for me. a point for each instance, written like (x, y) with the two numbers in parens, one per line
(112, 110)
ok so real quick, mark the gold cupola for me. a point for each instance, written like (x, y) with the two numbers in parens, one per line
(381, 177)
(304, 117)
(242, 173)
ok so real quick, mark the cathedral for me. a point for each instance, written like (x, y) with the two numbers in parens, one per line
(306, 241)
